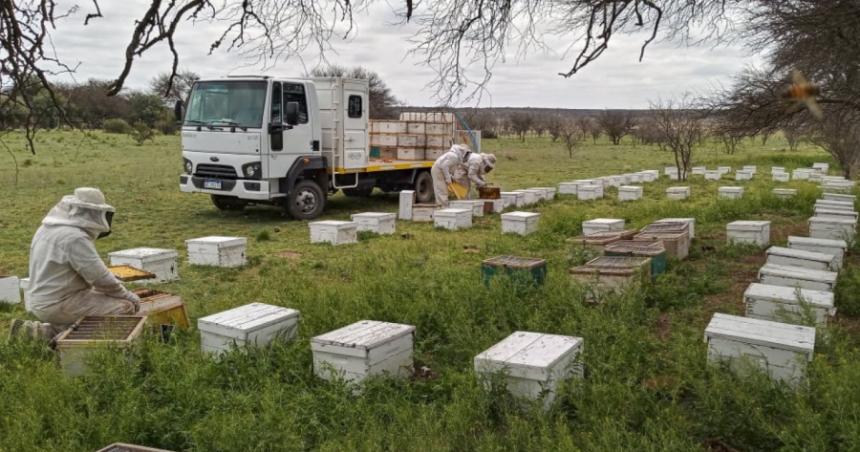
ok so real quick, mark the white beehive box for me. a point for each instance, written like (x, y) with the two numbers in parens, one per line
(539, 194)
(784, 193)
(602, 225)
(751, 232)
(334, 232)
(383, 139)
(634, 178)
(822, 167)
(10, 289)
(522, 223)
(498, 205)
(423, 213)
(743, 175)
(834, 212)
(217, 251)
(724, 169)
(801, 174)
(836, 205)
(411, 141)
(629, 193)
(815, 176)
(691, 223)
(650, 175)
(513, 199)
(567, 188)
(548, 192)
(799, 277)
(364, 349)
(678, 193)
(781, 177)
(839, 186)
(731, 192)
(777, 169)
(406, 201)
(698, 170)
(616, 181)
(251, 325)
(832, 228)
(839, 197)
(161, 262)
(751, 168)
(388, 126)
(532, 364)
(787, 304)
(794, 257)
(453, 219)
(440, 141)
(476, 206)
(589, 192)
(836, 248)
(530, 197)
(378, 222)
(781, 350)
(713, 175)
(418, 127)
(410, 153)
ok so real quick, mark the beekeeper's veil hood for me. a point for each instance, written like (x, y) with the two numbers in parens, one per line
(489, 162)
(86, 209)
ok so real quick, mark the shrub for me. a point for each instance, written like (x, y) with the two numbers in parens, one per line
(166, 126)
(141, 133)
(116, 125)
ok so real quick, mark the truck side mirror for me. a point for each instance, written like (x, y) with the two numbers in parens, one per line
(177, 110)
(292, 115)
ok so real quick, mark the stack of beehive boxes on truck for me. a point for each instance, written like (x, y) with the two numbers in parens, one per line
(418, 136)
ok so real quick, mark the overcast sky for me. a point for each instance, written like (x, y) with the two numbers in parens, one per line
(616, 80)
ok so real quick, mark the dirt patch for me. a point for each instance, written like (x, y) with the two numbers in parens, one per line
(471, 249)
(293, 256)
(742, 272)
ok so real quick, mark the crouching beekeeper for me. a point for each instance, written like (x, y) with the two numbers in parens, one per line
(443, 170)
(68, 279)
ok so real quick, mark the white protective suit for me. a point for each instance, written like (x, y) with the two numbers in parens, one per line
(443, 169)
(68, 279)
(476, 167)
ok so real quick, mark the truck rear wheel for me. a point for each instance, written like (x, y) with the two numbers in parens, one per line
(424, 187)
(306, 200)
(228, 203)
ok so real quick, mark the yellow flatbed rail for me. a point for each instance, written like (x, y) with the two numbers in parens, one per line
(382, 165)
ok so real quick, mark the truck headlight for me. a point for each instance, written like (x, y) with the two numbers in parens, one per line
(189, 167)
(252, 170)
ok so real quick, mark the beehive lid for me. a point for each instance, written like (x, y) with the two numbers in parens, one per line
(604, 237)
(731, 189)
(373, 215)
(452, 212)
(603, 221)
(782, 294)
(123, 447)
(795, 253)
(833, 221)
(332, 224)
(839, 213)
(515, 262)
(127, 273)
(363, 335)
(809, 241)
(636, 247)
(635, 188)
(587, 187)
(799, 273)
(533, 356)
(840, 197)
(519, 216)
(677, 189)
(102, 329)
(220, 241)
(747, 225)
(762, 332)
(154, 301)
(250, 317)
(145, 254)
(667, 227)
(846, 205)
(516, 194)
(617, 262)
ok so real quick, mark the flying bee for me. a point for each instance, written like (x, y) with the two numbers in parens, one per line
(804, 93)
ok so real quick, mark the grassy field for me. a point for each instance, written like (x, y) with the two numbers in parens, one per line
(647, 385)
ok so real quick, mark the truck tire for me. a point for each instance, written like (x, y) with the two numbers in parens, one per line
(306, 200)
(228, 203)
(423, 187)
(358, 192)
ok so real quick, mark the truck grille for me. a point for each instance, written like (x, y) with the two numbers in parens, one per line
(215, 171)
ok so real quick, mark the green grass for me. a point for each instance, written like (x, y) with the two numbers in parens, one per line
(647, 385)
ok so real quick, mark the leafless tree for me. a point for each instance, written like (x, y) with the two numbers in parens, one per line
(587, 126)
(554, 125)
(520, 123)
(178, 89)
(571, 136)
(792, 137)
(615, 124)
(839, 134)
(678, 129)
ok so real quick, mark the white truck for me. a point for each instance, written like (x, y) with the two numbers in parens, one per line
(288, 142)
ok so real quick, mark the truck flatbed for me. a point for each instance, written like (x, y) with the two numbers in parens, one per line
(378, 165)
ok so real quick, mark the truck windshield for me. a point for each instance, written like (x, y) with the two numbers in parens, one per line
(231, 103)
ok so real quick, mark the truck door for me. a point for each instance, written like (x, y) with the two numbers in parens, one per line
(355, 126)
(285, 145)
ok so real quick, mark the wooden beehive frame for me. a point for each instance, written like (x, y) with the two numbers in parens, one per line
(127, 273)
(90, 330)
(515, 262)
(636, 247)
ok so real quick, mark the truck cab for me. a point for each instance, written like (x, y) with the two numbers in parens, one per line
(252, 140)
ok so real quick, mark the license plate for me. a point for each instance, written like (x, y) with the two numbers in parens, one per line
(212, 184)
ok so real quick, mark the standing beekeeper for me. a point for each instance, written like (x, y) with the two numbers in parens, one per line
(68, 279)
(443, 171)
(474, 171)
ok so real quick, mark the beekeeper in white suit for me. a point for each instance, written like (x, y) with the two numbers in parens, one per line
(443, 171)
(68, 279)
(474, 171)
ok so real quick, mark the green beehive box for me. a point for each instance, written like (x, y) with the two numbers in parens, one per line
(653, 249)
(522, 270)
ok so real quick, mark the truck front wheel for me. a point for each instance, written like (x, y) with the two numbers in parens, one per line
(306, 200)
(424, 187)
(228, 203)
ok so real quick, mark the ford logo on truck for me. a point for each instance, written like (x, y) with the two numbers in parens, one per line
(214, 159)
